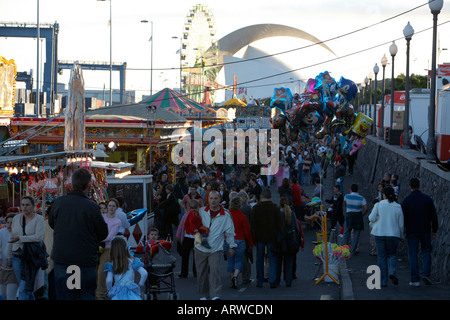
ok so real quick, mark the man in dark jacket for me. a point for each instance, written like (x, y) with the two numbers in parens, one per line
(78, 229)
(421, 224)
(336, 212)
(265, 222)
(339, 174)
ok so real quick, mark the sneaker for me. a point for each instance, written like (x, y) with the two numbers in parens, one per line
(393, 279)
(414, 284)
(216, 298)
(203, 298)
(426, 280)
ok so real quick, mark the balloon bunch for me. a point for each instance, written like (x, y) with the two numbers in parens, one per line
(325, 105)
(335, 252)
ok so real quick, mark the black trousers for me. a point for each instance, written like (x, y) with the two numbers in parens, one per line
(186, 249)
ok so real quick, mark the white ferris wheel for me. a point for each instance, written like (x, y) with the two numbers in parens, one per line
(199, 53)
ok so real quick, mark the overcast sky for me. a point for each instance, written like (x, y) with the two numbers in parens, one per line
(84, 34)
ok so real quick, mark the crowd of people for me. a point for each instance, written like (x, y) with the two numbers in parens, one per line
(209, 212)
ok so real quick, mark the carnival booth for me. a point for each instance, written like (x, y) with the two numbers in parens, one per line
(48, 176)
(137, 192)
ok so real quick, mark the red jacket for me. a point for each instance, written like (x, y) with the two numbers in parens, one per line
(302, 244)
(296, 195)
(194, 224)
(241, 226)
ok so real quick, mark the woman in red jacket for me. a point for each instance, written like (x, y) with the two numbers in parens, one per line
(242, 233)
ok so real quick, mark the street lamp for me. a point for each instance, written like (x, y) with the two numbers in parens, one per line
(376, 69)
(384, 63)
(38, 101)
(363, 88)
(408, 32)
(110, 51)
(393, 51)
(181, 47)
(435, 7)
(366, 82)
(151, 52)
(359, 96)
(369, 110)
(151, 110)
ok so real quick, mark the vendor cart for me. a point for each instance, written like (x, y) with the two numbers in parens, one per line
(137, 192)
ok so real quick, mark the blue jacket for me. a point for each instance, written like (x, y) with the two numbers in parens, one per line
(419, 213)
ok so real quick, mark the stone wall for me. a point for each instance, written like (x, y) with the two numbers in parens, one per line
(377, 158)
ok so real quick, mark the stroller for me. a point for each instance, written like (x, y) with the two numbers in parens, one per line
(159, 263)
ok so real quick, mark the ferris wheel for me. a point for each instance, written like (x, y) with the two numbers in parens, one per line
(199, 53)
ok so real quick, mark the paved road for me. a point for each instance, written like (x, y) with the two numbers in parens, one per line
(303, 288)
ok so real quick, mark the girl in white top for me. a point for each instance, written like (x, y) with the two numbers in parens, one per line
(8, 281)
(34, 232)
(387, 224)
(387, 216)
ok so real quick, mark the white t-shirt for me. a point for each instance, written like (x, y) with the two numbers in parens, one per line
(123, 218)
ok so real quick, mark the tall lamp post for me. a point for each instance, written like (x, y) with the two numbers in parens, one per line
(151, 52)
(359, 97)
(408, 32)
(38, 101)
(393, 51)
(152, 111)
(179, 51)
(110, 51)
(435, 7)
(366, 82)
(384, 63)
(369, 110)
(363, 90)
(376, 69)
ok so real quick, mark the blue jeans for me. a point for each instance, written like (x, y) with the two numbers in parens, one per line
(260, 252)
(88, 283)
(413, 254)
(387, 256)
(305, 177)
(354, 243)
(237, 261)
(22, 293)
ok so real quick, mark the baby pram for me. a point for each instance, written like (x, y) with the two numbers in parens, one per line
(159, 263)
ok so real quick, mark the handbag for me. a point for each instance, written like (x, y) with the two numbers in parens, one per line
(292, 241)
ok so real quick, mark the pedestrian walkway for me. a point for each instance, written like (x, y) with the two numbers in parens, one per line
(354, 274)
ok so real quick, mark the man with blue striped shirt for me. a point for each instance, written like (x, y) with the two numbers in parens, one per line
(356, 207)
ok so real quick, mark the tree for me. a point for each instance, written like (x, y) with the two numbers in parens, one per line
(415, 81)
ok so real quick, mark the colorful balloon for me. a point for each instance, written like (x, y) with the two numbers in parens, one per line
(282, 98)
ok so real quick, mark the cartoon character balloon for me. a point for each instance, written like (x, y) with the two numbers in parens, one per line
(359, 131)
(347, 90)
(362, 125)
(282, 98)
(326, 85)
(324, 107)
